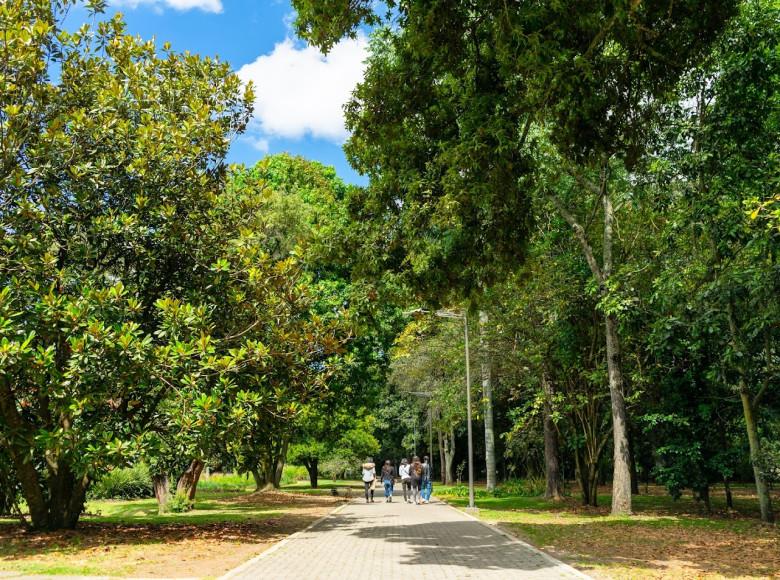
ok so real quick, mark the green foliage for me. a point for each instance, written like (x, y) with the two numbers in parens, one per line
(123, 483)
(531, 487)
(179, 503)
(108, 177)
(293, 474)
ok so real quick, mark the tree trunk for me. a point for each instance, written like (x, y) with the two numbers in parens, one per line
(260, 479)
(161, 491)
(621, 473)
(593, 483)
(551, 463)
(487, 396)
(729, 497)
(632, 463)
(25, 470)
(188, 482)
(280, 460)
(449, 457)
(703, 495)
(312, 467)
(442, 459)
(762, 489)
(621, 476)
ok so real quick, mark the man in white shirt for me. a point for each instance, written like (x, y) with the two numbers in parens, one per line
(406, 479)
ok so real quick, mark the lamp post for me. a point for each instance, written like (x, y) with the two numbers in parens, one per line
(462, 316)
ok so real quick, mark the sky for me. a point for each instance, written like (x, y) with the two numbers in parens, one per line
(299, 92)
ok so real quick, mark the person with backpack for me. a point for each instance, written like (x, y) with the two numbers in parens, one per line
(404, 471)
(416, 474)
(388, 480)
(369, 475)
(426, 485)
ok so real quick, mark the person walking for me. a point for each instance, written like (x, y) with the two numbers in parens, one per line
(426, 485)
(416, 474)
(404, 473)
(369, 475)
(388, 480)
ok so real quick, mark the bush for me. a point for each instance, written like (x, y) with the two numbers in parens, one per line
(530, 487)
(293, 473)
(179, 503)
(226, 482)
(124, 483)
(339, 467)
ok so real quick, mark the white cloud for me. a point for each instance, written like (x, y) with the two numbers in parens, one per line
(205, 5)
(259, 143)
(299, 91)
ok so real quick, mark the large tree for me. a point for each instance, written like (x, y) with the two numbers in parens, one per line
(107, 171)
(441, 125)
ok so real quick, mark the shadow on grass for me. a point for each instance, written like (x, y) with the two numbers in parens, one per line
(16, 543)
(657, 545)
(245, 518)
(664, 537)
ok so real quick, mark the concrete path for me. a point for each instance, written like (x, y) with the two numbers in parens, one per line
(396, 541)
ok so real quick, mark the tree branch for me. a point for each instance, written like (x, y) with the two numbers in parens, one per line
(582, 238)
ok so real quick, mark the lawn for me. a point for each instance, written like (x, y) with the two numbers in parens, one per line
(664, 539)
(229, 525)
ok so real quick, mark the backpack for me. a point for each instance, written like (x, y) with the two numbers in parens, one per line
(417, 468)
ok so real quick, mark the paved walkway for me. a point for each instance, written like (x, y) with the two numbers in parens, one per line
(390, 541)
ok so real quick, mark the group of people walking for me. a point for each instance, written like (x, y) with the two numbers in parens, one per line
(415, 478)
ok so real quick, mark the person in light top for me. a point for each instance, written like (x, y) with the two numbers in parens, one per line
(406, 479)
(369, 476)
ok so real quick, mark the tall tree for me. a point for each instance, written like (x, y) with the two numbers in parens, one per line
(107, 172)
(441, 125)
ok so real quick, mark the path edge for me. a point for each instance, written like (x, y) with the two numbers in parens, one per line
(252, 561)
(515, 540)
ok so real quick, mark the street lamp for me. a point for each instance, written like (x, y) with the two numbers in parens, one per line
(462, 316)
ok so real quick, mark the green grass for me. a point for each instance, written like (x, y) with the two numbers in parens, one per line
(676, 537)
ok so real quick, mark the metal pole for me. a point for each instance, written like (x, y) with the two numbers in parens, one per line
(468, 412)
(430, 440)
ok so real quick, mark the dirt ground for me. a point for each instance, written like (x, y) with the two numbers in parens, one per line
(175, 550)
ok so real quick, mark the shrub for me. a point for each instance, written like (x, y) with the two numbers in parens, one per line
(226, 482)
(124, 483)
(179, 503)
(293, 473)
(529, 487)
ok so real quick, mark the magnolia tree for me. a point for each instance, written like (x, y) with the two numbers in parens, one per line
(107, 173)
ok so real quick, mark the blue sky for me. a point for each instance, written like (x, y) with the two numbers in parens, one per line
(300, 92)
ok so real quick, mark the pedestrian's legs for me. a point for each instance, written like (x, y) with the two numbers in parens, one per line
(388, 489)
(415, 490)
(407, 485)
(366, 486)
(426, 490)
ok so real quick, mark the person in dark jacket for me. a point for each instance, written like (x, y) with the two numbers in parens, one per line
(416, 472)
(388, 480)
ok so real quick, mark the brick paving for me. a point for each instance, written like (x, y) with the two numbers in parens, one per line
(389, 541)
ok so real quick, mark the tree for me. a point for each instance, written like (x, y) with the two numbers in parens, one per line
(107, 174)
(442, 121)
(428, 363)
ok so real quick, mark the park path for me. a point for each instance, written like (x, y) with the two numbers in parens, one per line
(389, 541)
